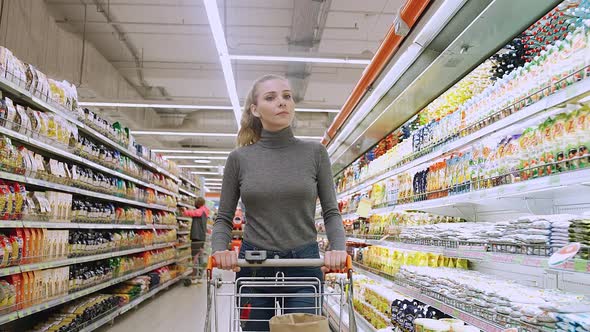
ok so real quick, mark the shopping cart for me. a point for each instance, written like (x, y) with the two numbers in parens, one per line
(198, 263)
(339, 292)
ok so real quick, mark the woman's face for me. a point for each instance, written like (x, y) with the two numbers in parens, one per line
(274, 105)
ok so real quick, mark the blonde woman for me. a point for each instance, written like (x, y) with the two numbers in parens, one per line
(279, 179)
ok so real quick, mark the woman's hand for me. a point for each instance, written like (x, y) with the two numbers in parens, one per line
(334, 260)
(227, 260)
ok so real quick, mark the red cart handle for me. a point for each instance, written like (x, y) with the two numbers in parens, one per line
(297, 262)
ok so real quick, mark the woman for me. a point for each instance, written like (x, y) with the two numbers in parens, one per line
(279, 179)
(198, 228)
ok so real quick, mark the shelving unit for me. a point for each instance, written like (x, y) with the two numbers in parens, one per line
(134, 303)
(69, 297)
(465, 191)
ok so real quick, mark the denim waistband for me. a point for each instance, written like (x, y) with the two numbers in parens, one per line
(309, 250)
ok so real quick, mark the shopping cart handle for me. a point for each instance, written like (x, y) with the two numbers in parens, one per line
(293, 262)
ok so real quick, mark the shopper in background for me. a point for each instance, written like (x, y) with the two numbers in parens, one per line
(198, 228)
(279, 179)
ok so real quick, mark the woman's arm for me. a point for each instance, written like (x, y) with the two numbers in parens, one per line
(230, 194)
(327, 195)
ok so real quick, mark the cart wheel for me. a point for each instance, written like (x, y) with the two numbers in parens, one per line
(187, 282)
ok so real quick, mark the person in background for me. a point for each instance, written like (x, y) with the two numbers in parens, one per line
(279, 179)
(198, 229)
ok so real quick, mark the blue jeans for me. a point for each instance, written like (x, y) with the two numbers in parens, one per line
(258, 318)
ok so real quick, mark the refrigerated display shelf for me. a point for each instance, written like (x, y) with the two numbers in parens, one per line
(186, 192)
(471, 314)
(331, 307)
(74, 190)
(134, 303)
(22, 93)
(70, 297)
(572, 92)
(76, 260)
(183, 233)
(184, 218)
(70, 156)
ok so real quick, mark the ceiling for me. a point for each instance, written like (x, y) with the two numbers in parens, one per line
(167, 52)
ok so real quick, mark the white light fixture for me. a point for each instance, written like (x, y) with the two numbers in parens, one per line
(146, 105)
(190, 151)
(195, 107)
(193, 157)
(185, 133)
(205, 173)
(300, 59)
(181, 133)
(213, 180)
(201, 161)
(437, 21)
(220, 44)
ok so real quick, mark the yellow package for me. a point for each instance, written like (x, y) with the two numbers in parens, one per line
(452, 263)
(462, 264)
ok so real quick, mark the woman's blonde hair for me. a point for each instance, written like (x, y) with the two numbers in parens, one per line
(251, 126)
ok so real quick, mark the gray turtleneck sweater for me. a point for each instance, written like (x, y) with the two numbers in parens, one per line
(279, 179)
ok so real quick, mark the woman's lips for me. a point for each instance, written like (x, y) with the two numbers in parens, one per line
(283, 113)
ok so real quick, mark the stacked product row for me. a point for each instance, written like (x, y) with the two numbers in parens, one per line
(18, 203)
(63, 96)
(82, 312)
(26, 289)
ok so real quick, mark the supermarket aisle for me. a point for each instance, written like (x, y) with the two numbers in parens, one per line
(178, 309)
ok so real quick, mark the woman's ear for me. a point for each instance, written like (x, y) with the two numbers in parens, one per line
(253, 111)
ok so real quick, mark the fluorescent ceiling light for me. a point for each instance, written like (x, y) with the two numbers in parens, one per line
(185, 133)
(193, 157)
(181, 133)
(300, 59)
(202, 161)
(190, 151)
(212, 180)
(145, 105)
(220, 44)
(205, 173)
(192, 107)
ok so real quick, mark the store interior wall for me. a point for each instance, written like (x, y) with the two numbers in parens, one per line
(30, 32)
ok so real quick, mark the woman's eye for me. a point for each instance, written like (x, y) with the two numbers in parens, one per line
(287, 97)
(269, 98)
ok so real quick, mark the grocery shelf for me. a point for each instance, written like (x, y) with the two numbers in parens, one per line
(74, 190)
(78, 294)
(467, 317)
(183, 233)
(184, 178)
(186, 192)
(74, 225)
(76, 260)
(22, 93)
(134, 303)
(331, 307)
(573, 181)
(184, 218)
(70, 156)
(185, 205)
(184, 246)
(572, 92)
